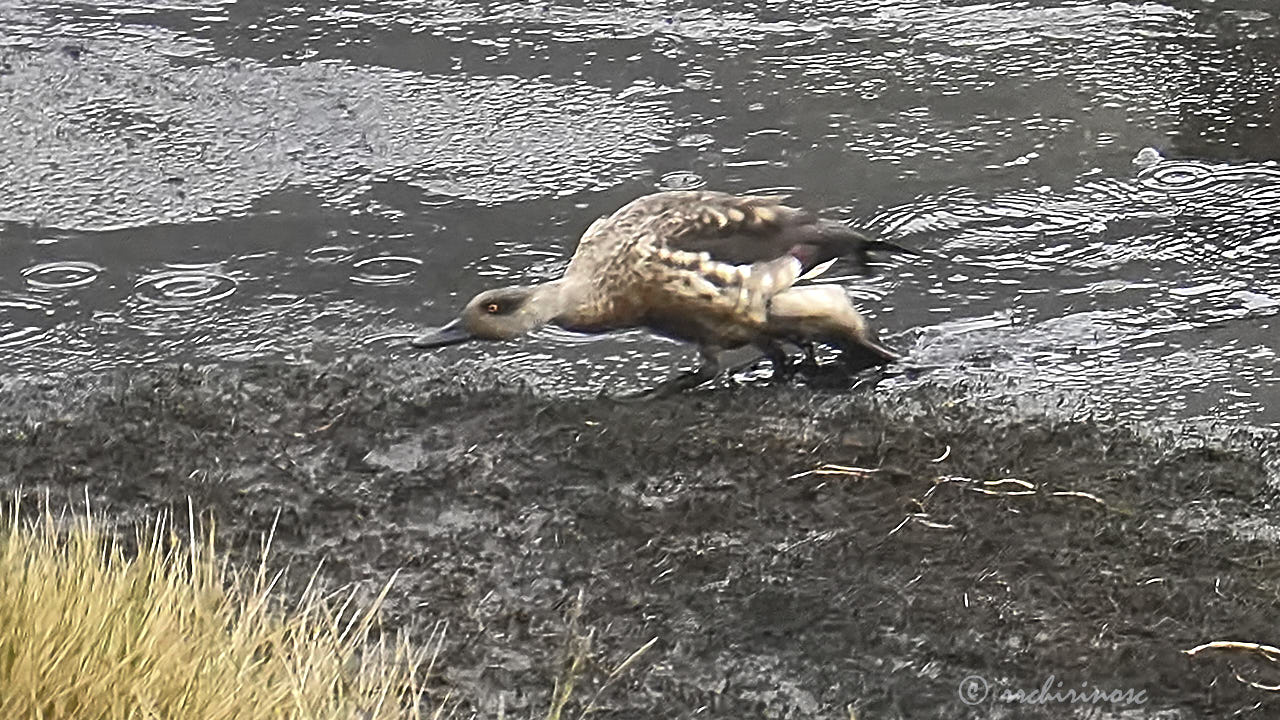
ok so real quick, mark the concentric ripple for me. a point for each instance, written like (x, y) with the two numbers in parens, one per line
(681, 180)
(61, 274)
(23, 320)
(1178, 176)
(185, 288)
(331, 254)
(385, 270)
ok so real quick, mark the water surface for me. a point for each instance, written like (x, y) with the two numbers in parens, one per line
(224, 181)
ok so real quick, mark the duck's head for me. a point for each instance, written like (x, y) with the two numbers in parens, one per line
(499, 314)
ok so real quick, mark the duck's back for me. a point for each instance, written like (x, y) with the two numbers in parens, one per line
(701, 266)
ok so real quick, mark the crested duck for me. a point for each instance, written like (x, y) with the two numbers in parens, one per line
(709, 268)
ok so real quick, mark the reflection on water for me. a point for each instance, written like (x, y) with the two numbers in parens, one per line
(1095, 181)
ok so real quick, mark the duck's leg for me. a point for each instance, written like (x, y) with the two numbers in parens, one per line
(777, 357)
(709, 368)
(810, 349)
(705, 372)
(770, 350)
(783, 366)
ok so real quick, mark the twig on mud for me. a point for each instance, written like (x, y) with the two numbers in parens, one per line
(831, 469)
(989, 487)
(323, 427)
(1270, 652)
(1257, 685)
(1079, 494)
(922, 519)
(899, 526)
(812, 537)
(945, 454)
(992, 487)
(986, 487)
(940, 481)
(329, 424)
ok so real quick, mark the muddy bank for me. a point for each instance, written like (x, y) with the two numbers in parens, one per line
(1102, 555)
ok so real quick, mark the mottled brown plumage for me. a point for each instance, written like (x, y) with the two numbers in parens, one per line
(709, 268)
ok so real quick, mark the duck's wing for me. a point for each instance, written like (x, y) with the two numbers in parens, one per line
(749, 229)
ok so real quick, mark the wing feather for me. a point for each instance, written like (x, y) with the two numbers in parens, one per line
(747, 229)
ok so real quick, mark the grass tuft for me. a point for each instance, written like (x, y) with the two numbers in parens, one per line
(90, 631)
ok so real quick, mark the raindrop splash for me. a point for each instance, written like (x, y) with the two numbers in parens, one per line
(385, 270)
(681, 180)
(61, 275)
(1178, 176)
(330, 254)
(23, 320)
(182, 289)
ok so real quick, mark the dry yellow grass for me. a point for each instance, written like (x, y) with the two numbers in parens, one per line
(88, 632)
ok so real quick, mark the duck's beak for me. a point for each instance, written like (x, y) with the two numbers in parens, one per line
(450, 334)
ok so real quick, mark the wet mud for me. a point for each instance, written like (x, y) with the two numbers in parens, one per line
(964, 552)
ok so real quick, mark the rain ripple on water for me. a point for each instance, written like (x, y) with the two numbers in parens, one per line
(681, 180)
(109, 144)
(24, 320)
(1155, 294)
(385, 270)
(183, 289)
(61, 275)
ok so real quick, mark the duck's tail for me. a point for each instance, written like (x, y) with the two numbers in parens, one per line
(836, 240)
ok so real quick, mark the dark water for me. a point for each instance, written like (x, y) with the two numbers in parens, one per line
(230, 180)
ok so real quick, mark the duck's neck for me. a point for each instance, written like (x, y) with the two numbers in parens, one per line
(549, 301)
(559, 302)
